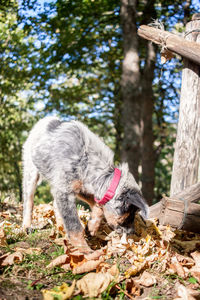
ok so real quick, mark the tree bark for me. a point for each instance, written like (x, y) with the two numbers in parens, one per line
(148, 155)
(186, 156)
(131, 90)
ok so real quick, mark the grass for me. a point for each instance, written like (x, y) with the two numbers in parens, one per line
(30, 276)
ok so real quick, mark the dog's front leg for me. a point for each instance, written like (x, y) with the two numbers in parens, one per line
(67, 208)
(95, 221)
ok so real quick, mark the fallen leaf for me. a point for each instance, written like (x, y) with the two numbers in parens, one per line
(132, 287)
(62, 292)
(93, 284)
(196, 256)
(66, 267)
(114, 271)
(166, 55)
(13, 258)
(183, 293)
(146, 279)
(3, 242)
(58, 261)
(132, 271)
(178, 269)
(87, 266)
(196, 273)
(5, 214)
(94, 255)
(28, 251)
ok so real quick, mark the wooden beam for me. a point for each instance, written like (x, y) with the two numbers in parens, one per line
(179, 211)
(172, 42)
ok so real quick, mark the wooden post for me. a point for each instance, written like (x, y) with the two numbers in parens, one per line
(186, 156)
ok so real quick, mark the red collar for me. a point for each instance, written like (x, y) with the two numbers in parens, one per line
(112, 188)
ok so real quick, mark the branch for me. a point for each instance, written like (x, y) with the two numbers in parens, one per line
(171, 42)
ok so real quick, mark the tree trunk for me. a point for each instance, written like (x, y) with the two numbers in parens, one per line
(131, 91)
(148, 155)
(186, 156)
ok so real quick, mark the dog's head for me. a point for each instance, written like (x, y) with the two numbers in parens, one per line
(120, 216)
(120, 211)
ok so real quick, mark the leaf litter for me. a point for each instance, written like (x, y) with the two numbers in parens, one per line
(156, 261)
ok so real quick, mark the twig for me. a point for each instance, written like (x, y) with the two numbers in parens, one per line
(127, 294)
(36, 281)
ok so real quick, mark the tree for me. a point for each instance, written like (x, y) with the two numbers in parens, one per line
(13, 107)
(74, 69)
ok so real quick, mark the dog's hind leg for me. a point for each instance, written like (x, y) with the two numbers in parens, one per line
(67, 208)
(30, 179)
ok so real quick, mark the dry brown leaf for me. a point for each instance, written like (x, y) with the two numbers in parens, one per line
(195, 270)
(62, 292)
(3, 242)
(93, 284)
(60, 242)
(114, 271)
(66, 267)
(13, 258)
(196, 256)
(3, 257)
(178, 269)
(132, 271)
(94, 255)
(60, 260)
(146, 279)
(87, 266)
(196, 273)
(28, 251)
(184, 260)
(166, 55)
(53, 234)
(166, 233)
(132, 287)
(5, 214)
(183, 293)
(76, 259)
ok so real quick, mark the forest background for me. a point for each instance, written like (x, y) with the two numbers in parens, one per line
(83, 59)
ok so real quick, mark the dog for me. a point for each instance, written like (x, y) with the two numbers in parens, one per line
(77, 163)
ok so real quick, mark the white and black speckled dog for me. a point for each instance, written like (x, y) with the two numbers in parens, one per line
(77, 163)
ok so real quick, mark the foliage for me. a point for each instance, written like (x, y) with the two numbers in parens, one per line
(15, 119)
(65, 57)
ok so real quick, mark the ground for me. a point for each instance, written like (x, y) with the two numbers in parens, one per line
(155, 263)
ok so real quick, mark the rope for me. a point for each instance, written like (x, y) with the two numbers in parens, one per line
(163, 40)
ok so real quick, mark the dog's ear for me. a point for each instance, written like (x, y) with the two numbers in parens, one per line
(135, 198)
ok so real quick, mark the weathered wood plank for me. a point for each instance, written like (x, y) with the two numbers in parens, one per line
(172, 42)
(186, 156)
(177, 214)
(179, 210)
